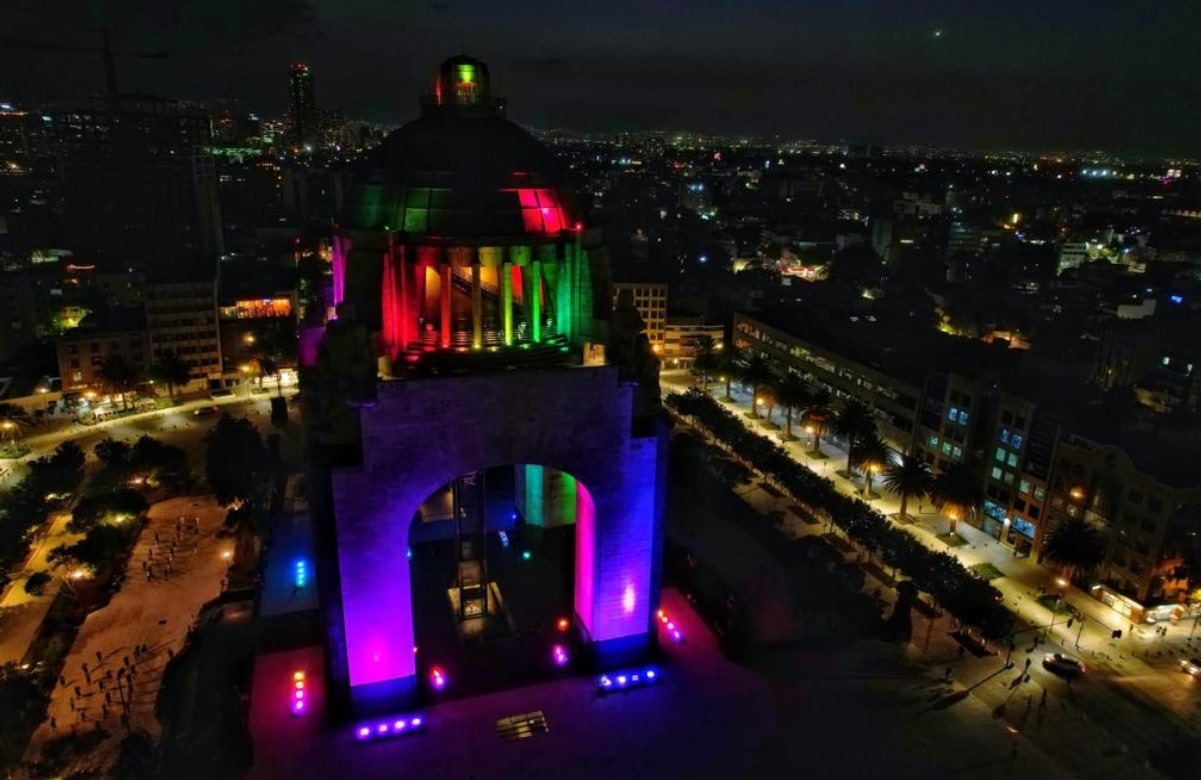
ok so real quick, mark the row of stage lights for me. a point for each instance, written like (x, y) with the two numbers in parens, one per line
(392, 727)
(301, 577)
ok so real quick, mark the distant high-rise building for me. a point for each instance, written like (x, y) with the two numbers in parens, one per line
(302, 105)
(138, 181)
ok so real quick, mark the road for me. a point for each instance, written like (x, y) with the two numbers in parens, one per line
(1135, 687)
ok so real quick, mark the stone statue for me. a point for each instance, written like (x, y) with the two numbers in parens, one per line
(630, 350)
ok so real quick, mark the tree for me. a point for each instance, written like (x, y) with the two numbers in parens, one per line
(116, 506)
(112, 453)
(792, 393)
(767, 395)
(871, 455)
(236, 462)
(706, 360)
(910, 476)
(1075, 546)
(171, 370)
(818, 415)
(61, 472)
(727, 369)
(853, 422)
(97, 548)
(118, 376)
(855, 266)
(756, 372)
(957, 492)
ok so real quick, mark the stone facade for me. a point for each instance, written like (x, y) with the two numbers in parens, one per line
(422, 433)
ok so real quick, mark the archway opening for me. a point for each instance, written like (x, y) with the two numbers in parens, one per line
(497, 571)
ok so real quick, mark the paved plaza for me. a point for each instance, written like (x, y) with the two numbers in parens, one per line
(112, 675)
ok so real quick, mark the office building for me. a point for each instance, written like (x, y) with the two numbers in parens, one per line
(302, 107)
(181, 317)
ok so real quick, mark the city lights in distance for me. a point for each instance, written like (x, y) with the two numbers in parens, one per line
(624, 681)
(389, 727)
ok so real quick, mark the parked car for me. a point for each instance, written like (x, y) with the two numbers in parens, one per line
(1191, 666)
(1064, 666)
(205, 411)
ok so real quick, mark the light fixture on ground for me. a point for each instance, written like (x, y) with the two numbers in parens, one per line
(673, 631)
(624, 681)
(298, 702)
(389, 727)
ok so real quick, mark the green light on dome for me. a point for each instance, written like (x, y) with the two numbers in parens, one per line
(466, 74)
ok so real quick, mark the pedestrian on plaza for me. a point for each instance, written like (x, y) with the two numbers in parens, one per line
(99, 657)
(102, 683)
(132, 671)
(125, 660)
(108, 698)
(1027, 663)
(53, 723)
(71, 703)
(62, 680)
(84, 666)
(78, 691)
(120, 672)
(1042, 705)
(83, 713)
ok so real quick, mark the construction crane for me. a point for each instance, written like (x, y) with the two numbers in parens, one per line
(105, 51)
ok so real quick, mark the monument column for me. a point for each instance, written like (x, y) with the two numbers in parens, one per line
(445, 315)
(506, 300)
(477, 307)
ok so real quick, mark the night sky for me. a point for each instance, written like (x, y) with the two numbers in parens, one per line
(1055, 74)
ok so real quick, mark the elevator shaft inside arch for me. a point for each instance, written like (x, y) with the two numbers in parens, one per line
(469, 506)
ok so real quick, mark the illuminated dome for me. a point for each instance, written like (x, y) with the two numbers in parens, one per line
(462, 236)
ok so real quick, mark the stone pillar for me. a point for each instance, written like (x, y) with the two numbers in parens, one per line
(535, 304)
(445, 315)
(506, 301)
(477, 308)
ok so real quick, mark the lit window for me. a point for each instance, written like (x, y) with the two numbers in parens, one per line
(1016, 441)
(996, 472)
(933, 442)
(1004, 437)
(957, 452)
(1012, 460)
(953, 414)
(962, 417)
(1000, 455)
(1024, 487)
(946, 448)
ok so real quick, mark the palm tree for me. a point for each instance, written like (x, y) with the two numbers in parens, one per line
(706, 360)
(1075, 546)
(171, 370)
(871, 454)
(818, 414)
(958, 492)
(767, 394)
(910, 476)
(755, 372)
(853, 422)
(792, 393)
(726, 368)
(118, 376)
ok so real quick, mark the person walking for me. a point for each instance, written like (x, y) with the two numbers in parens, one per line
(78, 691)
(53, 723)
(99, 658)
(1042, 705)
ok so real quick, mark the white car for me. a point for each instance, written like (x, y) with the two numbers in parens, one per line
(1191, 666)
(1063, 665)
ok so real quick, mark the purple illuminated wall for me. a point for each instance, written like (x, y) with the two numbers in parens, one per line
(422, 433)
(341, 249)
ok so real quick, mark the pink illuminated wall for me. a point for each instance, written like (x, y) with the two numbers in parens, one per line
(585, 554)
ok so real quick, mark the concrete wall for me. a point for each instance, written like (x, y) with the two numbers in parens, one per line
(423, 433)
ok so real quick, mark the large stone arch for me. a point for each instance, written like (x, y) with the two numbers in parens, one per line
(423, 433)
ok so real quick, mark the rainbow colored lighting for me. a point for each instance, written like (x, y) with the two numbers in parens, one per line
(669, 625)
(559, 654)
(624, 681)
(389, 727)
(298, 701)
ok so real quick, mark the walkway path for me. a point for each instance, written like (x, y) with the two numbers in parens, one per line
(107, 681)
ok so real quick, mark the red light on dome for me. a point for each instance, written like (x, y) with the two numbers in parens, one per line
(579, 226)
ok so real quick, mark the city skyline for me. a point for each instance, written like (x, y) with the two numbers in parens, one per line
(1074, 76)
